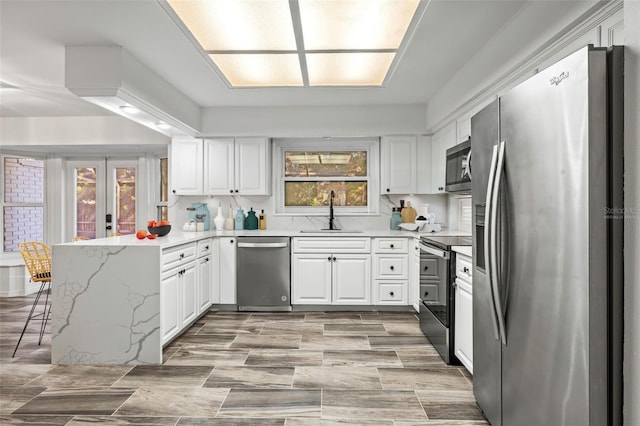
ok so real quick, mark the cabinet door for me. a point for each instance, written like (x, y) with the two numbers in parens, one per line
(252, 166)
(215, 271)
(311, 279)
(186, 166)
(189, 290)
(444, 139)
(398, 165)
(464, 324)
(423, 165)
(352, 279)
(219, 166)
(204, 283)
(169, 315)
(227, 277)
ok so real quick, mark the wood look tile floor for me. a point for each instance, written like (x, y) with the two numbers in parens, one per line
(239, 368)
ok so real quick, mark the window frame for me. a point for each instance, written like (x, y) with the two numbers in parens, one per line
(369, 144)
(45, 234)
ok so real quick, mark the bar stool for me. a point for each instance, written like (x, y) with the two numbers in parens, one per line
(37, 259)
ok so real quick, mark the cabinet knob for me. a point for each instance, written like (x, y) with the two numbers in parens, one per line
(391, 267)
(465, 270)
(334, 259)
(426, 293)
(231, 191)
(231, 241)
(206, 247)
(390, 293)
(181, 255)
(329, 258)
(388, 190)
(206, 259)
(391, 245)
(426, 268)
(237, 191)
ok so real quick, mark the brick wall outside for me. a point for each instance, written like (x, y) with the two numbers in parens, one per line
(23, 183)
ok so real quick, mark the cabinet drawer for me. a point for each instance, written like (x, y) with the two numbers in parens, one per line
(392, 267)
(429, 267)
(429, 292)
(463, 268)
(331, 245)
(175, 256)
(390, 293)
(205, 247)
(391, 245)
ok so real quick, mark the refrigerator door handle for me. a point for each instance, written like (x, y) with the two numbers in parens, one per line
(494, 242)
(487, 238)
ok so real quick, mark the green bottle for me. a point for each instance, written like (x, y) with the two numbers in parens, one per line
(251, 221)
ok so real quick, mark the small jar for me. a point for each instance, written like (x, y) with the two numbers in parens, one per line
(396, 219)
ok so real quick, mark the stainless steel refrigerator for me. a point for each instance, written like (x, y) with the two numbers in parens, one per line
(547, 279)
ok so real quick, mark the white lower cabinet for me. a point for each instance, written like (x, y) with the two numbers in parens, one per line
(311, 279)
(391, 271)
(351, 279)
(204, 283)
(227, 271)
(338, 277)
(463, 340)
(187, 282)
(169, 315)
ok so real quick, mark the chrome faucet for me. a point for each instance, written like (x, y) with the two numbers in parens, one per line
(332, 227)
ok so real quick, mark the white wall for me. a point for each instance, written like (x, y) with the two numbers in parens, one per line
(314, 121)
(16, 132)
(632, 221)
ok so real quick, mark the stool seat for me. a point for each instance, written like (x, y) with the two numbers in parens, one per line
(37, 259)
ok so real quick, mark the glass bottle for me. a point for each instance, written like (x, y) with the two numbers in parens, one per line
(396, 219)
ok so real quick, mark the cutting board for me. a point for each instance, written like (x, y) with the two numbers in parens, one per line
(408, 214)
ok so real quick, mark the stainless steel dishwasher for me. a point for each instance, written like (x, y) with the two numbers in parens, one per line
(263, 274)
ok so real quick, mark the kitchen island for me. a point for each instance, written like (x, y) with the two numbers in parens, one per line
(118, 300)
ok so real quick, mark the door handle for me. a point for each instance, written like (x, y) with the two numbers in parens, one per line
(487, 239)
(494, 243)
(262, 245)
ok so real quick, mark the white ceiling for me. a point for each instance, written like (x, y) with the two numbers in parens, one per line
(34, 35)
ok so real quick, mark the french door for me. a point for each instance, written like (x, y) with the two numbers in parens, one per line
(104, 197)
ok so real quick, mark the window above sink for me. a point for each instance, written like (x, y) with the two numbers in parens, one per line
(307, 170)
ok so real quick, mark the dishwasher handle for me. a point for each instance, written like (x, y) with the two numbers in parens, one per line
(263, 245)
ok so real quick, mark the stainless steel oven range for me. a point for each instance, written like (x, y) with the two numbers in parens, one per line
(437, 275)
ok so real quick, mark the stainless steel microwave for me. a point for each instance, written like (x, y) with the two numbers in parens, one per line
(458, 171)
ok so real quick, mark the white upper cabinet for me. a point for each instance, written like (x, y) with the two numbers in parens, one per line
(238, 166)
(442, 140)
(186, 166)
(423, 172)
(219, 173)
(398, 165)
(221, 166)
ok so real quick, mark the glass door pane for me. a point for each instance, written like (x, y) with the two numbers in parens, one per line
(124, 200)
(85, 202)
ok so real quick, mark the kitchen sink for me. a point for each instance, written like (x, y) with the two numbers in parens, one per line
(329, 231)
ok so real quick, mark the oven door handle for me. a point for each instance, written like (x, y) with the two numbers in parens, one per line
(434, 251)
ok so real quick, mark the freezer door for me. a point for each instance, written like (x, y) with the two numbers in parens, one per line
(485, 128)
(553, 126)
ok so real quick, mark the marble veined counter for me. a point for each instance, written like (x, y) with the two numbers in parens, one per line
(106, 298)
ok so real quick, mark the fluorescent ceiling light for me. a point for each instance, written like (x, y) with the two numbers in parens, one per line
(355, 24)
(276, 43)
(129, 109)
(348, 69)
(259, 70)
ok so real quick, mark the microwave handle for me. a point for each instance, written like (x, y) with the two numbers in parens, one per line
(469, 164)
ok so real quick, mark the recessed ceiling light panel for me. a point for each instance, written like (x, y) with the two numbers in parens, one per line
(260, 70)
(238, 24)
(355, 24)
(348, 69)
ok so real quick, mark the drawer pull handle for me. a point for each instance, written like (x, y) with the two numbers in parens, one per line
(391, 293)
(391, 267)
